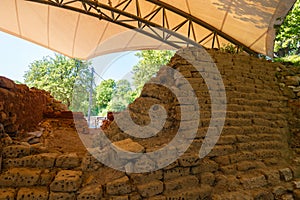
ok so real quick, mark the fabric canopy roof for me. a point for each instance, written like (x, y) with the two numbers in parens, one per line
(88, 28)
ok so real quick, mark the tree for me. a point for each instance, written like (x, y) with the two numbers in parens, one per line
(149, 63)
(60, 76)
(122, 96)
(287, 40)
(104, 93)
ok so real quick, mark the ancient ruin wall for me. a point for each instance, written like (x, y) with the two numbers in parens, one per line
(252, 159)
(22, 108)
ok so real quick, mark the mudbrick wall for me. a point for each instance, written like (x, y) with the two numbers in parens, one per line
(22, 108)
(253, 159)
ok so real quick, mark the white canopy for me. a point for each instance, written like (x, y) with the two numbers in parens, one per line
(88, 28)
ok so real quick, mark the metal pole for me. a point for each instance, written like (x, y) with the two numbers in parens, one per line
(90, 98)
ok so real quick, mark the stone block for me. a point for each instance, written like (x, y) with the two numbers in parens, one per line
(202, 192)
(146, 177)
(296, 194)
(180, 183)
(260, 194)
(286, 174)
(221, 150)
(207, 178)
(176, 172)
(278, 191)
(45, 160)
(253, 181)
(272, 176)
(130, 146)
(229, 169)
(66, 181)
(150, 189)
(206, 165)
(188, 160)
(68, 161)
(62, 196)
(20, 177)
(119, 187)
(90, 193)
(16, 151)
(7, 193)
(46, 177)
(33, 194)
(123, 197)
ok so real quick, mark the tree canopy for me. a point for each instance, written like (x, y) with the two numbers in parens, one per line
(287, 40)
(149, 63)
(60, 76)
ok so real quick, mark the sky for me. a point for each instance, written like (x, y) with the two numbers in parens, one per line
(16, 55)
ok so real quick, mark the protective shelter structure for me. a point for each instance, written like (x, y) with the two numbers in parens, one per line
(88, 28)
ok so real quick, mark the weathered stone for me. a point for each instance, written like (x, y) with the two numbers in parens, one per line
(206, 165)
(150, 189)
(188, 160)
(292, 80)
(6, 83)
(16, 151)
(61, 196)
(180, 183)
(278, 191)
(20, 177)
(119, 186)
(68, 161)
(33, 193)
(253, 181)
(129, 145)
(66, 181)
(91, 192)
(207, 178)
(286, 174)
(7, 193)
(176, 172)
(202, 192)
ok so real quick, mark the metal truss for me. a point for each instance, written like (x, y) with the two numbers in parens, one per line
(181, 34)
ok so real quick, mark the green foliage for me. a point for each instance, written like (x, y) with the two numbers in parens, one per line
(287, 40)
(294, 59)
(230, 48)
(104, 93)
(122, 96)
(149, 63)
(61, 76)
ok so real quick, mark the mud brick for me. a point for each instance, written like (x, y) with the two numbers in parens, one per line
(206, 165)
(16, 151)
(176, 172)
(222, 160)
(207, 178)
(20, 177)
(119, 186)
(146, 177)
(61, 196)
(202, 192)
(180, 183)
(7, 193)
(286, 174)
(68, 161)
(91, 192)
(253, 181)
(33, 193)
(66, 181)
(188, 160)
(150, 189)
(221, 150)
(272, 176)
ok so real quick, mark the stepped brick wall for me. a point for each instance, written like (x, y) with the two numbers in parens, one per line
(22, 108)
(253, 158)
